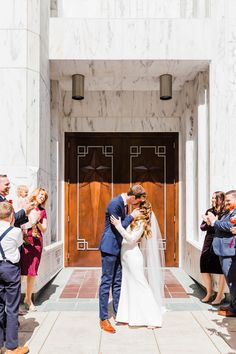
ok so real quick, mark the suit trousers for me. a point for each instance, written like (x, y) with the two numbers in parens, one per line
(228, 265)
(10, 293)
(111, 279)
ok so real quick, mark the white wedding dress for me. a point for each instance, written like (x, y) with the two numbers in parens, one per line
(137, 305)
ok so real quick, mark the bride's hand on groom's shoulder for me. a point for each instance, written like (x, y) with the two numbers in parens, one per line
(115, 221)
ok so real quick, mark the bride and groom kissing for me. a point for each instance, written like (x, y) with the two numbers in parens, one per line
(132, 273)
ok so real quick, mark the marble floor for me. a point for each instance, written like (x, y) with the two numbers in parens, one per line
(70, 324)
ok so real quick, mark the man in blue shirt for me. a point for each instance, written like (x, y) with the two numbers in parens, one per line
(223, 229)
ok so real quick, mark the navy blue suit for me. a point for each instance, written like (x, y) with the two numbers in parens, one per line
(228, 264)
(110, 246)
(20, 217)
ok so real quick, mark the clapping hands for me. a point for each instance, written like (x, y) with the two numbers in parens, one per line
(233, 230)
(209, 218)
(28, 207)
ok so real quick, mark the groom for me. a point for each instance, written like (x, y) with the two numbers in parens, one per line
(110, 247)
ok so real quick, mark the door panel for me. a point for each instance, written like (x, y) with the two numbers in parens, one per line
(99, 166)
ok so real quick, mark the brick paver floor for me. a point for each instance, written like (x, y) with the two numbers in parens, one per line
(84, 283)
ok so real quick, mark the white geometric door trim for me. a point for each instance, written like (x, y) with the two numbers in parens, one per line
(160, 152)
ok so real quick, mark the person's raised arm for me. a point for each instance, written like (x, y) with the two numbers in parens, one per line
(222, 225)
(20, 218)
(131, 237)
(115, 209)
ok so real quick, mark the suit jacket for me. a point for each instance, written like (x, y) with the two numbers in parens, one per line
(111, 238)
(222, 227)
(223, 242)
(20, 217)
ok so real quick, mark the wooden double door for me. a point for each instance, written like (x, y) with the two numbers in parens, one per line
(99, 166)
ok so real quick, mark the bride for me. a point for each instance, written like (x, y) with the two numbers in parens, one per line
(141, 300)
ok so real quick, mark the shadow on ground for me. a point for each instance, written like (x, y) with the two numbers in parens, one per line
(227, 330)
(27, 327)
(46, 293)
(198, 291)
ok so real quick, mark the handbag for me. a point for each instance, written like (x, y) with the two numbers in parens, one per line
(224, 246)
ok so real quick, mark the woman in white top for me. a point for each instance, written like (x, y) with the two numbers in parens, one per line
(141, 301)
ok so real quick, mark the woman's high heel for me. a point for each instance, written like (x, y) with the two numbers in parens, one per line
(205, 300)
(218, 303)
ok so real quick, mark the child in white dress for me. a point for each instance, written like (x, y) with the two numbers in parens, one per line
(22, 192)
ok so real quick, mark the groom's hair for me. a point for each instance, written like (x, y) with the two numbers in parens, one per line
(137, 190)
(232, 192)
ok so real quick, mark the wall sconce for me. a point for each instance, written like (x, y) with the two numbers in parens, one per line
(166, 87)
(78, 87)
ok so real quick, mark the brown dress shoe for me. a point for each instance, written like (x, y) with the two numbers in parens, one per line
(227, 313)
(106, 326)
(18, 350)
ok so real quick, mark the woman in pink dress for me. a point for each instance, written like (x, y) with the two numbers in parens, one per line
(33, 246)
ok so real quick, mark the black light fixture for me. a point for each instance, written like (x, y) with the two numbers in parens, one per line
(165, 87)
(78, 87)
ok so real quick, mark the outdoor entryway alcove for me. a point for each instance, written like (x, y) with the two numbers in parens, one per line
(99, 166)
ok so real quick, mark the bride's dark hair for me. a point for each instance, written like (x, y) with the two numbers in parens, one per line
(146, 212)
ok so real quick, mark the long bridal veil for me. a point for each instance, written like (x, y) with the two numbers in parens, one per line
(154, 261)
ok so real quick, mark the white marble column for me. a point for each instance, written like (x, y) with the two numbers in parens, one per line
(25, 106)
(195, 172)
(57, 162)
(230, 108)
(25, 99)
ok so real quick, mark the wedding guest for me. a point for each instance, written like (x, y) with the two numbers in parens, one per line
(20, 216)
(10, 287)
(224, 245)
(31, 253)
(22, 192)
(209, 262)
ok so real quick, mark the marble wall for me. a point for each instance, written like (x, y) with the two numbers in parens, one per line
(101, 111)
(204, 109)
(132, 8)
(124, 111)
(110, 29)
(203, 112)
(194, 198)
(187, 113)
(131, 39)
(57, 163)
(120, 111)
(25, 106)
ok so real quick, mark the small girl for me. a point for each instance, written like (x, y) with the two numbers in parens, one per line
(22, 194)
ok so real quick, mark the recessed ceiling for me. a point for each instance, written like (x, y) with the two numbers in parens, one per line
(125, 75)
